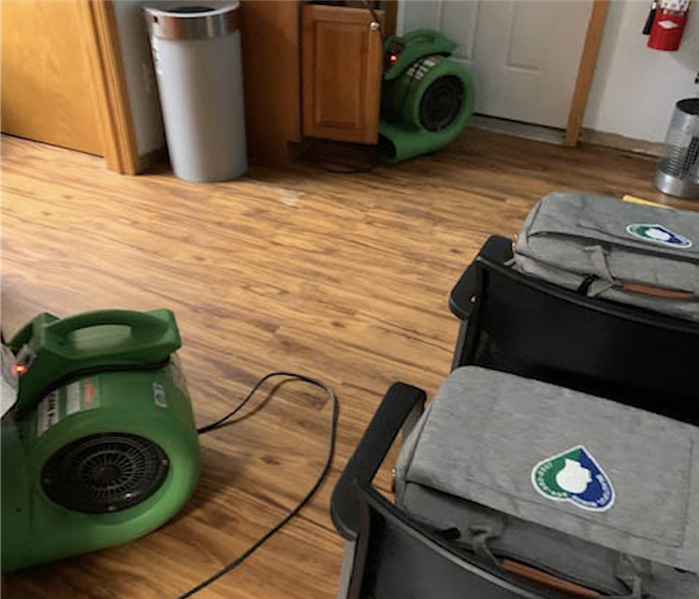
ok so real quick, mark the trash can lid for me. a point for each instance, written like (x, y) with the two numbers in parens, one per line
(689, 106)
(191, 21)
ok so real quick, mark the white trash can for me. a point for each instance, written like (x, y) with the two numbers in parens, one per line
(197, 56)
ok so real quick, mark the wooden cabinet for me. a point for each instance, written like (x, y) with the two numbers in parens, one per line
(310, 70)
(342, 65)
(272, 76)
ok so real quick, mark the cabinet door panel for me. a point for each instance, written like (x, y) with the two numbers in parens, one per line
(342, 58)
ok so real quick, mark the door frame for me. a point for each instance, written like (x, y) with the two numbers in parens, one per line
(586, 71)
(109, 89)
(586, 66)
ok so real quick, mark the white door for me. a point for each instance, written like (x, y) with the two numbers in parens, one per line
(523, 54)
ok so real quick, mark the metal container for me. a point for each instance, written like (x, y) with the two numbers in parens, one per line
(197, 56)
(678, 167)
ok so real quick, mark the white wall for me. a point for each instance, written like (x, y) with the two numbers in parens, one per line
(635, 88)
(140, 76)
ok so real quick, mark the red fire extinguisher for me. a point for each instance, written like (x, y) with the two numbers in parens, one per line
(666, 24)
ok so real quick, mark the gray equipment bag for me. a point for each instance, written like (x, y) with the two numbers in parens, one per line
(592, 492)
(616, 250)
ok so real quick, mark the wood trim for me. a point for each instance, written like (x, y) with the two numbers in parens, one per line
(271, 38)
(391, 11)
(621, 142)
(109, 87)
(586, 70)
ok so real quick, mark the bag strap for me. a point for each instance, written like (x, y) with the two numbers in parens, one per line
(636, 591)
(602, 280)
(657, 291)
(628, 569)
(548, 580)
(480, 535)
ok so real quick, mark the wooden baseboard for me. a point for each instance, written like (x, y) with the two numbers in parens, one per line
(621, 142)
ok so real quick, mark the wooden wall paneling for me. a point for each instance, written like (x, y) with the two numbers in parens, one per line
(586, 70)
(272, 77)
(342, 60)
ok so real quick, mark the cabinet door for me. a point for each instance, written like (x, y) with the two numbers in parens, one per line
(342, 65)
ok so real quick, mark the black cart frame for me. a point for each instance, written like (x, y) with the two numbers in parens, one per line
(513, 323)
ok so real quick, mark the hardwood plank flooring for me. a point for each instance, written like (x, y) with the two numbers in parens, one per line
(343, 277)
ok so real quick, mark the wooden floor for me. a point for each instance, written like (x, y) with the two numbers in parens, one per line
(344, 277)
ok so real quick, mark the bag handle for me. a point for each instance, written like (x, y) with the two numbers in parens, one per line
(627, 570)
(480, 535)
(657, 291)
(607, 280)
(549, 580)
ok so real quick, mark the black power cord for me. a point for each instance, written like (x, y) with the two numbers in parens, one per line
(309, 495)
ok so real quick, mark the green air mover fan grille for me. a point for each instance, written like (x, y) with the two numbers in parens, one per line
(441, 103)
(424, 106)
(105, 473)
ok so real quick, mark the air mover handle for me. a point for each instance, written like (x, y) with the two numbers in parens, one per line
(145, 328)
(64, 347)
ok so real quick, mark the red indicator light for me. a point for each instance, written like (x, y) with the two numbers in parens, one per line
(393, 58)
(21, 369)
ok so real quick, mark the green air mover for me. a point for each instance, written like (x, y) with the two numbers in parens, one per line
(427, 99)
(101, 446)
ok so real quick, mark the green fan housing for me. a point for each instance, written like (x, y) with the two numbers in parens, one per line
(102, 446)
(427, 99)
